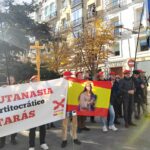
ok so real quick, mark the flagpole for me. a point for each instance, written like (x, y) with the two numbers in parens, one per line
(139, 30)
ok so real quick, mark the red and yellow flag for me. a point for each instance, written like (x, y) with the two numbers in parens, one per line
(102, 91)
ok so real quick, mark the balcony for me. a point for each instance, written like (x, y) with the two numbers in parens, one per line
(137, 1)
(77, 22)
(117, 4)
(76, 2)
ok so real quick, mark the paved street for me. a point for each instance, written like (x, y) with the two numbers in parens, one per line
(134, 138)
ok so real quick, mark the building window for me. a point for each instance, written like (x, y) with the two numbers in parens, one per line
(115, 23)
(115, 2)
(144, 44)
(91, 10)
(75, 2)
(52, 9)
(64, 3)
(64, 23)
(76, 17)
(46, 11)
(76, 14)
(116, 49)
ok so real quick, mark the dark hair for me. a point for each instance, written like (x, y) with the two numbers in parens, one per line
(92, 94)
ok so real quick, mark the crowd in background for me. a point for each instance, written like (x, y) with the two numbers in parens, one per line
(128, 99)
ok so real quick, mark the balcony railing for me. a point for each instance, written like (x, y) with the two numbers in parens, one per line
(77, 22)
(137, 1)
(116, 4)
(75, 3)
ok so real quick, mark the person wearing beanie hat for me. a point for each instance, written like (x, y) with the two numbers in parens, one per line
(126, 86)
(126, 72)
(100, 76)
(67, 74)
(69, 116)
(137, 72)
(112, 73)
(42, 130)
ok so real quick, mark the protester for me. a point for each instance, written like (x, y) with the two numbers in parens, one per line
(118, 100)
(42, 130)
(10, 81)
(127, 89)
(139, 94)
(70, 116)
(111, 112)
(113, 100)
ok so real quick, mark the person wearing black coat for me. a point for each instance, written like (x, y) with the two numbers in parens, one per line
(139, 94)
(127, 89)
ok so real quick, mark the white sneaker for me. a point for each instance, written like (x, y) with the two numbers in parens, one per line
(104, 129)
(44, 146)
(31, 148)
(113, 128)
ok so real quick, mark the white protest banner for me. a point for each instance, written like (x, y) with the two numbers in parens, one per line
(29, 105)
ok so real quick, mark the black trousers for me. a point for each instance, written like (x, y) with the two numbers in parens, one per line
(32, 136)
(128, 105)
(3, 139)
(118, 109)
(81, 121)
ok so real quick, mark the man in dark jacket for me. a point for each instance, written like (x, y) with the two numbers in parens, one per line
(117, 99)
(139, 94)
(127, 89)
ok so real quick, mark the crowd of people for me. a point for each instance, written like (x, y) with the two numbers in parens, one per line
(128, 97)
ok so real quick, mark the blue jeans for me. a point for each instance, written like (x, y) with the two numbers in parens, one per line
(111, 117)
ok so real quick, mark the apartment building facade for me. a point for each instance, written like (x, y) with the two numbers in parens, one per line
(61, 14)
(127, 14)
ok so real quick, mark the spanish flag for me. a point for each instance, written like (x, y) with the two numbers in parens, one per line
(101, 91)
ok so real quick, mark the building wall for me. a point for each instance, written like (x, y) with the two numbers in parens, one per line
(128, 15)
